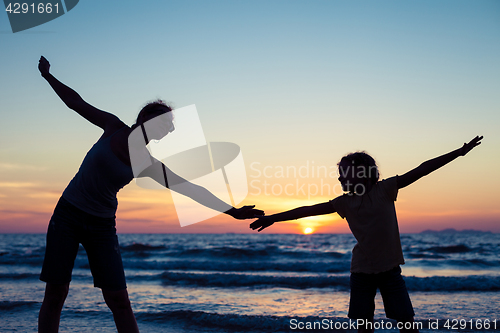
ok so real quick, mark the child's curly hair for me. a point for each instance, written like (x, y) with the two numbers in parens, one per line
(362, 159)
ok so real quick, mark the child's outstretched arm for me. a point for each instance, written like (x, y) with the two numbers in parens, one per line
(429, 166)
(297, 213)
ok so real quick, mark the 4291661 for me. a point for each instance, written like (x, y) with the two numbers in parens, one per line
(471, 324)
(24, 8)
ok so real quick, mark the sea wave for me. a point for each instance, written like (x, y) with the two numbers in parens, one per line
(254, 280)
(338, 282)
(481, 283)
(453, 283)
(141, 250)
(247, 323)
(241, 265)
(18, 305)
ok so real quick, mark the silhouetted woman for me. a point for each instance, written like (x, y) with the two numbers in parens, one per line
(85, 213)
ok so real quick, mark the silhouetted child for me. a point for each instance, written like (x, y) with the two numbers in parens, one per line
(369, 209)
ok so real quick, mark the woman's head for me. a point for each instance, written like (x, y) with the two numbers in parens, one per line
(357, 171)
(151, 110)
(161, 126)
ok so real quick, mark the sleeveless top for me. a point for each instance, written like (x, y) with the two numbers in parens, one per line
(97, 182)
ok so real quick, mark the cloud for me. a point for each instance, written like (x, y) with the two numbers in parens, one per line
(8, 214)
(43, 195)
(12, 166)
(144, 199)
(18, 184)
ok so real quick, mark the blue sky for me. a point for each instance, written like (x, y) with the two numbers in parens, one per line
(289, 81)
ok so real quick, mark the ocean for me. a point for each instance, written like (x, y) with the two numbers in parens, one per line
(186, 283)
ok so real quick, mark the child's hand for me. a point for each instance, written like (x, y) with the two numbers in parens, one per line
(262, 223)
(246, 212)
(467, 147)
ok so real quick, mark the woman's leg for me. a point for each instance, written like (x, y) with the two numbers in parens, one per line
(50, 312)
(60, 253)
(119, 304)
(105, 261)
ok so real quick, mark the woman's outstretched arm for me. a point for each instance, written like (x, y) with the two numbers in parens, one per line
(434, 164)
(75, 102)
(167, 178)
(294, 214)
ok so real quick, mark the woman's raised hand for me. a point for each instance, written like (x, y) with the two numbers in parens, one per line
(43, 66)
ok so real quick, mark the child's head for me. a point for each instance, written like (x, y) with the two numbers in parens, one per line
(357, 171)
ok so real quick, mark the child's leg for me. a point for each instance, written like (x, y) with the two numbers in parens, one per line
(362, 302)
(397, 302)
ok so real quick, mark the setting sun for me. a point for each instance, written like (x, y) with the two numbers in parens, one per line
(308, 231)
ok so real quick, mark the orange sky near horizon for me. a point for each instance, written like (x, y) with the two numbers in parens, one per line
(27, 206)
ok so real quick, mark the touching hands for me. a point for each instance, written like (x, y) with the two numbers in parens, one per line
(43, 66)
(246, 212)
(262, 223)
(467, 147)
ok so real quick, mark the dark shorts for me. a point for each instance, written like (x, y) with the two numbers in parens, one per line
(397, 303)
(69, 227)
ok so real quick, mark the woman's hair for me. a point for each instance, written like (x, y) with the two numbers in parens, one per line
(362, 159)
(153, 106)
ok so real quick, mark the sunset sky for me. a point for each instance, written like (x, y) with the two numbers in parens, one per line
(296, 84)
